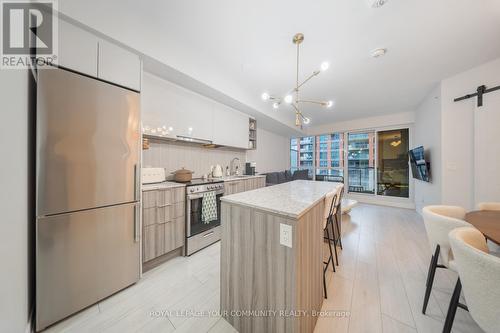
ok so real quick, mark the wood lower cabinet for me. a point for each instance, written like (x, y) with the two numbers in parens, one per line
(163, 222)
(242, 185)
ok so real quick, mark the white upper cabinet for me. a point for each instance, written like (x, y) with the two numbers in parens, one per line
(119, 66)
(168, 107)
(230, 127)
(82, 51)
(77, 49)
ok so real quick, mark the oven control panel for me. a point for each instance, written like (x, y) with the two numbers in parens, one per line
(205, 188)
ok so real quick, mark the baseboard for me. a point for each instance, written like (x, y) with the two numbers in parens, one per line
(376, 200)
(149, 265)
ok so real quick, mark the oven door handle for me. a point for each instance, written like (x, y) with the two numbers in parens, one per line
(198, 196)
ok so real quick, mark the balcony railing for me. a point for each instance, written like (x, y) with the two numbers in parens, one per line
(361, 180)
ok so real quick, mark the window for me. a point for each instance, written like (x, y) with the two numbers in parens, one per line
(377, 161)
(302, 154)
(392, 163)
(361, 162)
(330, 161)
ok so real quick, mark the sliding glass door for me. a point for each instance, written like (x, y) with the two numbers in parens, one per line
(361, 162)
(330, 157)
(369, 162)
(392, 163)
(302, 154)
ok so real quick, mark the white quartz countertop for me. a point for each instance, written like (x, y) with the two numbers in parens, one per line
(292, 199)
(161, 186)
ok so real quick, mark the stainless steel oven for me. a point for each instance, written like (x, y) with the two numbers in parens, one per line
(198, 233)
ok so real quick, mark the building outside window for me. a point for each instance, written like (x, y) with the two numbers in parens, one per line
(330, 157)
(324, 158)
(361, 162)
(302, 154)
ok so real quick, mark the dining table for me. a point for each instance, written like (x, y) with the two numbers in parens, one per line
(486, 221)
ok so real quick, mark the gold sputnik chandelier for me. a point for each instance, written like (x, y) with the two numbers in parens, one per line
(292, 97)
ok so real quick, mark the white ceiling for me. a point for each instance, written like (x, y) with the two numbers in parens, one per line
(244, 48)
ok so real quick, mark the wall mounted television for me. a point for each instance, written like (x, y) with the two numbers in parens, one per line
(420, 167)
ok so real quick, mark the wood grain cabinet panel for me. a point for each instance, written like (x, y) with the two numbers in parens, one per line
(237, 186)
(174, 234)
(149, 199)
(163, 220)
(148, 243)
(168, 213)
(149, 216)
(160, 239)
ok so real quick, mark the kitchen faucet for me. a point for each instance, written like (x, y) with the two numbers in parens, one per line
(234, 172)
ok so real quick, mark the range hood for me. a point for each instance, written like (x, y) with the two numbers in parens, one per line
(181, 138)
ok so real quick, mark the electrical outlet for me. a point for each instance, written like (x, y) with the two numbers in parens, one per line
(286, 235)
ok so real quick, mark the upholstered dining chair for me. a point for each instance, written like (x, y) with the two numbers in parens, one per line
(489, 206)
(439, 221)
(330, 200)
(479, 274)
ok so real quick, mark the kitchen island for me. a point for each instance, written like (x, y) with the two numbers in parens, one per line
(272, 257)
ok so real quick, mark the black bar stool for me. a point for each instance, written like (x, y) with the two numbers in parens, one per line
(330, 199)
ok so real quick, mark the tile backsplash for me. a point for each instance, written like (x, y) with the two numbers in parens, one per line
(173, 156)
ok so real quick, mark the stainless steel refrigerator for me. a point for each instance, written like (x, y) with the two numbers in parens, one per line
(88, 192)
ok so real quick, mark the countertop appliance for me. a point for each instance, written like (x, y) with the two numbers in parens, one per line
(217, 171)
(198, 233)
(153, 175)
(250, 168)
(88, 144)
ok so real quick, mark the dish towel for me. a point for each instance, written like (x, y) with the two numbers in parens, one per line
(209, 207)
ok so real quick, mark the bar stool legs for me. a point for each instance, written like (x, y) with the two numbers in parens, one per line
(330, 259)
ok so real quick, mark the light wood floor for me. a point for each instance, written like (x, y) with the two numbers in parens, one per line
(379, 284)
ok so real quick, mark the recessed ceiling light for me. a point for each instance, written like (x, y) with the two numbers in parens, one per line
(288, 99)
(377, 3)
(379, 52)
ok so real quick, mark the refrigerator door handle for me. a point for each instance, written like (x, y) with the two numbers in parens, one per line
(137, 219)
(137, 185)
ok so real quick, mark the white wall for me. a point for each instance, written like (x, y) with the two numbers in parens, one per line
(427, 133)
(458, 119)
(14, 271)
(402, 118)
(272, 153)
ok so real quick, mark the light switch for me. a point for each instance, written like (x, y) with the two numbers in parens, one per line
(286, 235)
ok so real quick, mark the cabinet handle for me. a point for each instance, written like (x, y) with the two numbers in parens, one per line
(137, 185)
(137, 219)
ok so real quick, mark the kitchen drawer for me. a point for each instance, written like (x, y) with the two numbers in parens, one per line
(149, 199)
(148, 243)
(149, 216)
(203, 239)
(170, 212)
(235, 186)
(174, 234)
(250, 184)
(169, 236)
(160, 239)
(170, 196)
